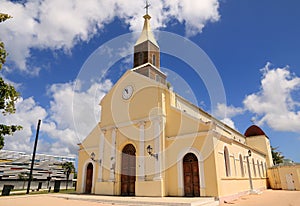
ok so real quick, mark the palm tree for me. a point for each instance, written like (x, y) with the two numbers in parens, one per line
(68, 169)
(277, 156)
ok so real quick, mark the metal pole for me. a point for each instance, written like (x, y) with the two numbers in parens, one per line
(249, 171)
(33, 155)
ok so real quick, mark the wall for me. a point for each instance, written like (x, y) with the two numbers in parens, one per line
(262, 144)
(285, 177)
(237, 182)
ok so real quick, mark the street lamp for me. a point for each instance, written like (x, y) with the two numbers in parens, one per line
(93, 158)
(149, 150)
(249, 172)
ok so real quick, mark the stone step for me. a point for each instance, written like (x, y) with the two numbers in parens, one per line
(138, 201)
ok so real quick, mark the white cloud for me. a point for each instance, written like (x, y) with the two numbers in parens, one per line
(274, 104)
(229, 122)
(195, 14)
(27, 114)
(225, 113)
(71, 116)
(56, 24)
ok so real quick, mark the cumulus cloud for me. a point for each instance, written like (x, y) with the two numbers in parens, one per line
(59, 25)
(63, 124)
(225, 113)
(27, 114)
(276, 104)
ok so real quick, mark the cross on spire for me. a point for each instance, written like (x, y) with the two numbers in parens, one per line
(147, 6)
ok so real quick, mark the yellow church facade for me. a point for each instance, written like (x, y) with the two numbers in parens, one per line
(152, 142)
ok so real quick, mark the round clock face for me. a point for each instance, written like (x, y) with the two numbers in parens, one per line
(127, 92)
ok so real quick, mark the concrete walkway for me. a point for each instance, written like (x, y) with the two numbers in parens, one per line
(137, 201)
(97, 200)
(267, 197)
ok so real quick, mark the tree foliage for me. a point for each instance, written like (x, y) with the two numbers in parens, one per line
(8, 94)
(68, 169)
(277, 156)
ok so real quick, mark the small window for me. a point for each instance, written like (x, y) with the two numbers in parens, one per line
(141, 56)
(154, 59)
(242, 166)
(227, 162)
(157, 78)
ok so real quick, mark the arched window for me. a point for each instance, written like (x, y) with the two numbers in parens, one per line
(254, 169)
(227, 162)
(242, 166)
(154, 59)
(265, 166)
(262, 169)
(258, 168)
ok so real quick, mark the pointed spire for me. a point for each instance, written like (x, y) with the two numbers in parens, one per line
(147, 32)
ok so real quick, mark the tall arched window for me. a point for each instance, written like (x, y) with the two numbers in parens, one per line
(258, 168)
(262, 169)
(242, 166)
(265, 166)
(254, 169)
(227, 162)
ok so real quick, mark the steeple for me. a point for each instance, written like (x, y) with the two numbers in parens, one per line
(146, 49)
(146, 53)
(147, 34)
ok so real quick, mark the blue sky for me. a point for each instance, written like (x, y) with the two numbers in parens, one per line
(254, 46)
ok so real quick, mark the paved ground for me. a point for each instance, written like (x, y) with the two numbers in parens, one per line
(268, 197)
(44, 200)
(97, 200)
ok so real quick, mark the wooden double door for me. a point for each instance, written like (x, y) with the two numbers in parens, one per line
(128, 175)
(191, 175)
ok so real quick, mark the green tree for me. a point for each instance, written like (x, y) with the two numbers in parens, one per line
(23, 176)
(68, 169)
(8, 94)
(277, 156)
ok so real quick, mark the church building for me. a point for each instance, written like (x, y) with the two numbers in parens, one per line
(152, 142)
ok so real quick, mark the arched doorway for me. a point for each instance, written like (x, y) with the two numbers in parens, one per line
(191, 175)
(89, 178)
(128, 171)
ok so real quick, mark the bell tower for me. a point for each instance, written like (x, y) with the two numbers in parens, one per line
(146, 49)
(147, 54)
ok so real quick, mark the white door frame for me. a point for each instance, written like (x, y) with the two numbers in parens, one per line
(180, 156)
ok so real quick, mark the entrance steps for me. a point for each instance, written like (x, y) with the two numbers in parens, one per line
(138, 201)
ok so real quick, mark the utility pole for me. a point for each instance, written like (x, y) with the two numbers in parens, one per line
(33, 155)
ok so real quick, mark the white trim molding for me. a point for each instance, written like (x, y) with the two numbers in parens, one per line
(180, 156)
(157, 150)
(113, 155)
(86, 163)
(141, 157)
(101, 152)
